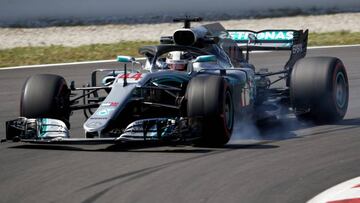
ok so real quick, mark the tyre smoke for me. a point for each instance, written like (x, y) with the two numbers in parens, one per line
(282, 127)
(245, 132)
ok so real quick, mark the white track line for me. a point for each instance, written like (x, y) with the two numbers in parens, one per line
(113, 60)
(57, 64)
(334, 46)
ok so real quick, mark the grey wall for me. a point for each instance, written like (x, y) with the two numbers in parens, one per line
(13, 11)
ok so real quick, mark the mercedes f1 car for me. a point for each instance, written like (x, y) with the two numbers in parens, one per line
(147, 100)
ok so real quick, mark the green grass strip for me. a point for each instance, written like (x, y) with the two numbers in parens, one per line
(334, 38)
(60, 54)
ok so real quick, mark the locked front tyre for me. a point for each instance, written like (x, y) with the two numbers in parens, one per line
(319, 89)
(210, 110)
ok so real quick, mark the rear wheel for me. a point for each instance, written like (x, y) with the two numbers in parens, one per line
(46, 96)
(210, 109)
(319, 89)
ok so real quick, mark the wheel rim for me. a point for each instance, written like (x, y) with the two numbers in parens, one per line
(229, 113)
(340, 90)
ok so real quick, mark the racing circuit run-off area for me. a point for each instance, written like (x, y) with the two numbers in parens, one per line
(208, 115)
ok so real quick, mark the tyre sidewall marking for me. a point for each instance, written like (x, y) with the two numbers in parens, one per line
(225, 90)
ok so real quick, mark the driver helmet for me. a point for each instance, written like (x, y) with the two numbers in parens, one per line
(177, 60)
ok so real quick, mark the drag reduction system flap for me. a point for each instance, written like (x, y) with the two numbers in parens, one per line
(270, 39)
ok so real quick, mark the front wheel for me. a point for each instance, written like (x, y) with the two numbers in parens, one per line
(210, 109)
(46, 96)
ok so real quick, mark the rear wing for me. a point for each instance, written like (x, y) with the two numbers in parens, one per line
(270, 39)
(292, 40)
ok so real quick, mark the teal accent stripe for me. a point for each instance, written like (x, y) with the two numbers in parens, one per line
(43, 128)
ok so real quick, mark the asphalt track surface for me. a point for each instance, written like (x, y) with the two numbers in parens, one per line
(297, 161)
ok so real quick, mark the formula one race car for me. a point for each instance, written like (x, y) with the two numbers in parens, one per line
(190, 88)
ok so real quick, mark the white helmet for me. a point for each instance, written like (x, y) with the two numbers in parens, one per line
(177, 61)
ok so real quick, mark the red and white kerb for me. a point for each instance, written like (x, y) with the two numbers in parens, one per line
(346, 192)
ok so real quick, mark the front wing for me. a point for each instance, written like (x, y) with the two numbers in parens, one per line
(53, 131)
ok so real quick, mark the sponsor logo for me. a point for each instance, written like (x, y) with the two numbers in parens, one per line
(104, 112)
(135, 76)
(113, 104)
(268, 35)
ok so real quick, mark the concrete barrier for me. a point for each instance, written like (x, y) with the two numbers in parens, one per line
(24, 11)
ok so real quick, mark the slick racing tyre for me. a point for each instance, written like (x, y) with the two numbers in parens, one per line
(319, 89)
(210, 109)
(46, 96)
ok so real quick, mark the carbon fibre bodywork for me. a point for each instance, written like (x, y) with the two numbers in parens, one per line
(150, 102)
(136, 92)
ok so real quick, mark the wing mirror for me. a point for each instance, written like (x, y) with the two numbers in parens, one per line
(201, 62)
(129, 59)
(125, 59)
(205, 58)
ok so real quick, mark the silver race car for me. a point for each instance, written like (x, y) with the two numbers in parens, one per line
(194, 97)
